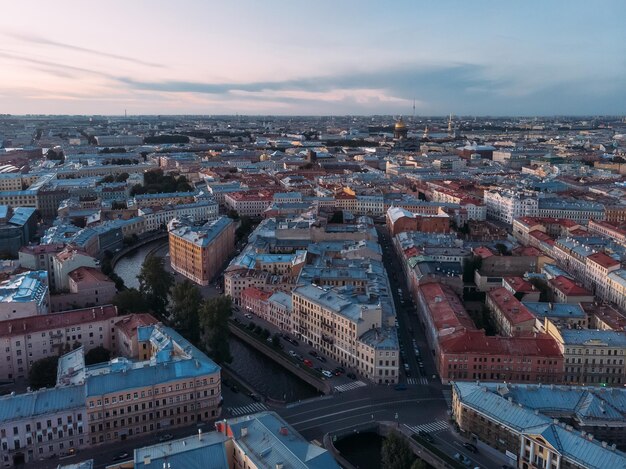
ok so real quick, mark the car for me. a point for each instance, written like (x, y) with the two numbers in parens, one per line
(400, 387)
(320, 358)
(166, 437)
(470, 447)
(417, 351)
(351, 375)
(327, 373)
(426, 436)
(340, 369)
(248, 316)
(337, 372)
(313, 353)
(308, 363)
(463, 459)
(406, 367)
(120, 456)
(292, 353)
(253, 396)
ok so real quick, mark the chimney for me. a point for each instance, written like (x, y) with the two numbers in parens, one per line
(244, 432)
(604, 444)
(279, 465)
(200, 434)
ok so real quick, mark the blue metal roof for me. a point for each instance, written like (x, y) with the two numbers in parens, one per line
(205, 452)
(44, 401)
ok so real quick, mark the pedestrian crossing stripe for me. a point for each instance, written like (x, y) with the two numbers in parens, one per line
(350, 386)
(420, 380)
(432, 427)
(247, 409)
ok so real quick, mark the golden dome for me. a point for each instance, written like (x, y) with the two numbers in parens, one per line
(400, 124)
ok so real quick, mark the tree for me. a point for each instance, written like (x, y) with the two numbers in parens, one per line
(131, 301)
(502, 249)
(396, 453)
(97, 355)
(186, 300)
(418, 464)
(43, 373)
(275, 340)
(155, 283)
(214, 315)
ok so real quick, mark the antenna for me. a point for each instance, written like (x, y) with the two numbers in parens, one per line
(125, 115)
(413, 117)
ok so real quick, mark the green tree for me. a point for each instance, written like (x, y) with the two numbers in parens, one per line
(396, 453)
(43, 373)
(186, 300)
(214, 315)
(418, 464)
(155, 283)
(275, 340)
(131, 301)
(97, 355)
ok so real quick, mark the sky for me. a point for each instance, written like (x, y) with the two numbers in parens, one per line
(296, 57)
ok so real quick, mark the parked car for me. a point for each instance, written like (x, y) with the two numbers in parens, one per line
(400, 387)
(351, 375)
(327, 373)
(292, 353)
(463, 459)
(470, 447)
(120, 456)
(166, 437)
(341, 369)
(248, 316)
(308, 363)
(406, 367)
(313, 353)
(320, 358)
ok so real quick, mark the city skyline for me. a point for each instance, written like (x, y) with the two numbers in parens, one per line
(283, 58)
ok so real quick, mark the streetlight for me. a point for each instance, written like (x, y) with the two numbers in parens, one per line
(397, 422)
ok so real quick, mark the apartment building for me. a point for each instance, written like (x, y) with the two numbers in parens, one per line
(521, 422)
(507, 205)
(24, 295)
(592, 357)
(510, 315)
(198, 252)
(159, 216)
(346, 330)
(28, 339)
(250, 203)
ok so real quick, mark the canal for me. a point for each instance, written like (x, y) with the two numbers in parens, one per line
(267, 378)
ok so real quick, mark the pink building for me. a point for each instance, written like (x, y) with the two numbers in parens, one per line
(88, 287)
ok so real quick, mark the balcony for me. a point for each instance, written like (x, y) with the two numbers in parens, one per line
(327, 339)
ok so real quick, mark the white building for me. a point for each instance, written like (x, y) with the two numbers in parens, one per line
(24, 295)
(506, 205)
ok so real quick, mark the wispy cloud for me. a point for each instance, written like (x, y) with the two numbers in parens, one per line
(34, 39)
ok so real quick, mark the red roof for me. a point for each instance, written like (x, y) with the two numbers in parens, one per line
(477, 342)
(540, 235)
(56, 320)
(89, 274)
(529, 251)
(129, 324)
(518, 284)
(514, 311)
(483, 252)
(604, 260)
(445, 307)
(568, 287)
(255, 293)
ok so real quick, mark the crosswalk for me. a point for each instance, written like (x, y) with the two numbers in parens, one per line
(432, 427)
(418, 380)
(350, 386)
(246, 409)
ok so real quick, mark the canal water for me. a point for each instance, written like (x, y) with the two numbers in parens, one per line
(267, 378)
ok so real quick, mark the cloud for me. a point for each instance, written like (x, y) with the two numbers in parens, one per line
(49, 42)
(53, 67)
